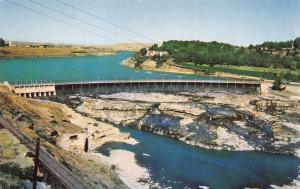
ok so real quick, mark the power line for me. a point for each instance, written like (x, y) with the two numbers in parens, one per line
(59, 20)
(83, 21)
(105, 20)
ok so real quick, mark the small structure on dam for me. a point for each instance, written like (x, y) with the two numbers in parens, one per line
(113, 86)
(34, 90)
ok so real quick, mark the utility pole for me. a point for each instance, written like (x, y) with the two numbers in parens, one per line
(36, 163)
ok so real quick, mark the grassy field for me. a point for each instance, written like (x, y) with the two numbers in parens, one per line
(267, 73)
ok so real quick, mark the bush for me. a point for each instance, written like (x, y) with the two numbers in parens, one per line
(143, 51)
(278, 82)
(8, 149)
(15, 170)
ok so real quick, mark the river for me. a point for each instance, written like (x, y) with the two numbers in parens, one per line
(177, 165)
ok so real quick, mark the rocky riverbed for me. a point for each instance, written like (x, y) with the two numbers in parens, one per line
(222, 121)
(233, 122)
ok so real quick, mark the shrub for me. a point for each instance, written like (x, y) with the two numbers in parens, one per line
(278, 82)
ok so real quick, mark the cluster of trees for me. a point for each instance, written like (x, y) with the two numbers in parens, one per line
(276, 45)
(297, 43)
(213, 53)
(2, 42)
(279, 45)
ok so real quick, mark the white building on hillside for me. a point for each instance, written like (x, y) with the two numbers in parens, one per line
(156, 53)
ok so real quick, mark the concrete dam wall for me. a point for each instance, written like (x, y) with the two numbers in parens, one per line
(106, 87)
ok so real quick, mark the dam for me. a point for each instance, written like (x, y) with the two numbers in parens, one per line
(113, 86)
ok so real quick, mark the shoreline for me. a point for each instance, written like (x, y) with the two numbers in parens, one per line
(56, 56)
(123, 161)
(99, 54)
(170, 67)
(127, 168)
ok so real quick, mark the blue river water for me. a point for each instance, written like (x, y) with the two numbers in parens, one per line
(175, 164)
(84, 68)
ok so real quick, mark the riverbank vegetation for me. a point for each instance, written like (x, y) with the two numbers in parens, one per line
(263, 60)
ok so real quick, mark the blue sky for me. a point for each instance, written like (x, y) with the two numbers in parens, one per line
(240, 22)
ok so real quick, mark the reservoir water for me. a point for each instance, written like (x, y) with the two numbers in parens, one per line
(177, 165)
(84, 68)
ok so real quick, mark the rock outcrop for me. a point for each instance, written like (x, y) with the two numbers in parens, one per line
(200, 121)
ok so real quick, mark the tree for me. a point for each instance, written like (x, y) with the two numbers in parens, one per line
(292, 64)
(143, 51)
(154, 47)
(297, 43)
(278, 82)
(298, 66)
(2, 42)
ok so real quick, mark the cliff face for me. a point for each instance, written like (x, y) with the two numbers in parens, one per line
(214, 121)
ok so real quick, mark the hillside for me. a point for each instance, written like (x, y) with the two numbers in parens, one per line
(264, 60)
(33, 50)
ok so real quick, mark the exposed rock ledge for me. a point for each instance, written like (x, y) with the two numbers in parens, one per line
(97, 132)
(221, 121)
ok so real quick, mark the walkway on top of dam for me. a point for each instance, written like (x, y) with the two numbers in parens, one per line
(251, 82)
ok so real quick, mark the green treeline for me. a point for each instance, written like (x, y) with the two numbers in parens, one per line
(268, 54)
(265, 60)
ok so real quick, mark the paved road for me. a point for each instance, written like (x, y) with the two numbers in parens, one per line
(57, 169)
